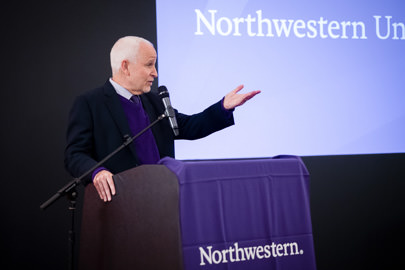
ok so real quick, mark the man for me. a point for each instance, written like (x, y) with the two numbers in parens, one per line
(100, 119)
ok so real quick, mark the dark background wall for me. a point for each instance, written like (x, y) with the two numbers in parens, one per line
(54, 50)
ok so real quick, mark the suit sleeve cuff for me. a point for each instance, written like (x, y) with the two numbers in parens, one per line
(96, 171)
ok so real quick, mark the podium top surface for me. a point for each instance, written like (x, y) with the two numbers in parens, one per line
(205, 170)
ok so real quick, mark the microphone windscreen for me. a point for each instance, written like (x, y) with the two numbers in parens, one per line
(163, 92)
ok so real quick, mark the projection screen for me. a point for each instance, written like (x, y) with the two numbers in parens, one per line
(332, 74)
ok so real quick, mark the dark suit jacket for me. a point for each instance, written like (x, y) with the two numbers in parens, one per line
(97, 126)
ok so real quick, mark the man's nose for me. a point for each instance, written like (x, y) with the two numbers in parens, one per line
(154, 72)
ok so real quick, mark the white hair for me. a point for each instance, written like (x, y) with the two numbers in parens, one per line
(126, 48)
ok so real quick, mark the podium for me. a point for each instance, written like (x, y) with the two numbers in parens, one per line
(139, 228)
(220, 214)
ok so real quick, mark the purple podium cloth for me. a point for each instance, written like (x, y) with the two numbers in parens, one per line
(245, 214)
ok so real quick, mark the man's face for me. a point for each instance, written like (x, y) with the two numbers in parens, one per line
(143, 71)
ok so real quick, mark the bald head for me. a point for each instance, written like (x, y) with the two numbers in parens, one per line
(126, 48)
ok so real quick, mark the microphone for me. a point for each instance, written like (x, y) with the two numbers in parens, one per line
(169, 111)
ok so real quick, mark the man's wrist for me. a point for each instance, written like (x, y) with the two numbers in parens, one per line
(96, 171)
(225, 109)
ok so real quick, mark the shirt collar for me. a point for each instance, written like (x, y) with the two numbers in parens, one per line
(121, 90)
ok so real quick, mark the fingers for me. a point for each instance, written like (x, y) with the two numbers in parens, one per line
(111, 185)
(104, 185)
(237, 89)
(105, 190)
(245, 97)
(233, 99)
(251, 94)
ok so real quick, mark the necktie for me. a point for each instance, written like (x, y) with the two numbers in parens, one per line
(135, 99)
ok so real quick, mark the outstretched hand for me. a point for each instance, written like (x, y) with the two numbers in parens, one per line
(233, 99)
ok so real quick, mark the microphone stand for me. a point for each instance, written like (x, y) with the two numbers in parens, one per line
(69, 189)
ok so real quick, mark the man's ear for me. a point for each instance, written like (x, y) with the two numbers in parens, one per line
(125, 67)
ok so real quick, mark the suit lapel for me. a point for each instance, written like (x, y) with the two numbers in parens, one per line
(117, 113)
